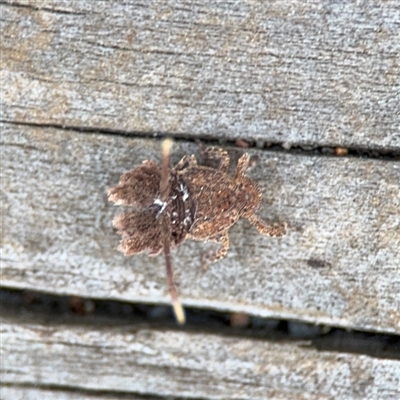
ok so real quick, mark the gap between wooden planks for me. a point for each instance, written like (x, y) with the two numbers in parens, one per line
(338, 265)
(52, 352)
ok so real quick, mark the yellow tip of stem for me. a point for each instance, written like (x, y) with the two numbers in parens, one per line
(166, 146)
(179, 313)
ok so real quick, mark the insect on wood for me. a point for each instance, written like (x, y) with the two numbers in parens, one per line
(188, 201)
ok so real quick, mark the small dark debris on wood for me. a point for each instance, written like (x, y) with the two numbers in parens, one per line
(81, 306)
(242, 143)
(314, 263)
(240, 320)
(341, 151)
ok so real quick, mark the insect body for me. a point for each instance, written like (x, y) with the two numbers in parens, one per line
(188, 201)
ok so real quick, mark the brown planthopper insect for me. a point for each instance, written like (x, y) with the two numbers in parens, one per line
(188, 201)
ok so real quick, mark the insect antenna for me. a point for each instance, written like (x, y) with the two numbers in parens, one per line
(166, 230)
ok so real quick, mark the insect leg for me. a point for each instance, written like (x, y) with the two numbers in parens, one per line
(215, 255)
(242, 166)
(214, 153)
(186, 162)
(274, 230)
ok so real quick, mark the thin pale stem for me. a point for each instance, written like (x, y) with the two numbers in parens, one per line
(176, 304)
(166, 230)
(164, 182)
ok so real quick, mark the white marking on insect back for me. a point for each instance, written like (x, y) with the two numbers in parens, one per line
(184, 190)
(161, 203)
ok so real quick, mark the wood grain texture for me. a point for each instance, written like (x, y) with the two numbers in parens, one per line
(168, 362)
(27, 392)
(339, 263)
(297, 73)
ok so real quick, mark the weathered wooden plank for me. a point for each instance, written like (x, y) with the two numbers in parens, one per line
(142, 360)
(35, 393)
(293, 72)
(339, 263)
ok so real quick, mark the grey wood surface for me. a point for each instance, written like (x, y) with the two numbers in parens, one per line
(289, 72)
(338, 264)
(165, 362)
(76, 74)
(32, 392)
